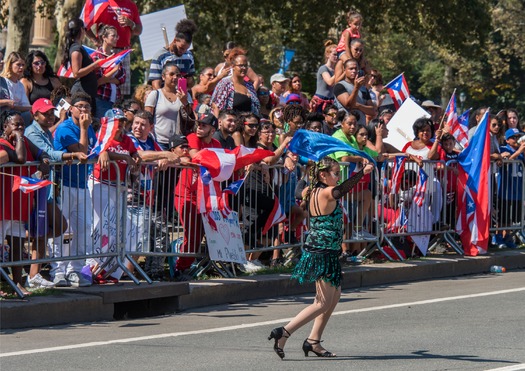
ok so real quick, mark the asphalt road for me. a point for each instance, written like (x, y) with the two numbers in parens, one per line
(465, 323)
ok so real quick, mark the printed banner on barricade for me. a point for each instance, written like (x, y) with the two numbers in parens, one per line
(224, 237)
(105, 238)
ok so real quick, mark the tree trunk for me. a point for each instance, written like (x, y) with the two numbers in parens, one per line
(21, 15)
(448, 85)
(64, 11)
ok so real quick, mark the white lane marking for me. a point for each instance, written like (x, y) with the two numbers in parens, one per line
(509, 368)
(250, 325)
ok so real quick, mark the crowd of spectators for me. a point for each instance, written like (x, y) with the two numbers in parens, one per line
(180, 111)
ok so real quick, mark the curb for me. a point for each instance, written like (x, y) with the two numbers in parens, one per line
(126, 300)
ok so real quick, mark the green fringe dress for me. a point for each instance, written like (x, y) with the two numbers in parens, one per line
(320, 258)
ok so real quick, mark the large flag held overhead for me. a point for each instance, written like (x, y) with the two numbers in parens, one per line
(316, 146)
(28, 185)
(93, 9)
(398, 90)
(457, 129)
(474, 191)
(108, 130)
(219, 165)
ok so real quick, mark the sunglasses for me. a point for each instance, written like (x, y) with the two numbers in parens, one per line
(133, 111)
(251, 126)
(39, 63)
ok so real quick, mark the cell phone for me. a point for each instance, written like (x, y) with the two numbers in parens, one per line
(182, 84)
(62, 105)
(360, 73)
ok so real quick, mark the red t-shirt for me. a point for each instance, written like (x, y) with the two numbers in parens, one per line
(187, 185)
(126, 147)
(128, 9)
(16, 205)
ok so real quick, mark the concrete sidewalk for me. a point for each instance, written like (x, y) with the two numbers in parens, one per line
(127, 300)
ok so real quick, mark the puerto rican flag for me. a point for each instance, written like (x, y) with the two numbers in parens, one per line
(397, 173)
(457, 128)
(234, 187)
(209, 194)
(245, 156)
(113, 61)
(107, 64)
(108, 129)
(421, 188)
(398, 90)
(276, 216)
(219, 162)
(474, 190)
(93, 9)
(28, 185)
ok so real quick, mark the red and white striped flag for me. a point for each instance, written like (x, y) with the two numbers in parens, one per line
(28, 185)
(398, 90)
(245, 156)
(457, 128)
(209, 194)
(276, 216)
(397, 174)
(108, 130)
(421, 188)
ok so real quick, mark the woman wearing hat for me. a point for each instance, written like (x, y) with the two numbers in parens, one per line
(234, 92)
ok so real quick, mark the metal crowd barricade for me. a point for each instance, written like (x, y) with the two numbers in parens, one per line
(57, 222)
(362, 232)
(401, 217)
(508, 195)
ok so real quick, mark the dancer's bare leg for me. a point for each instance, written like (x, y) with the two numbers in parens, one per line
(322, 319)
(326, 299)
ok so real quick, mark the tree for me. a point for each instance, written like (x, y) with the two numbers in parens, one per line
(20, 19)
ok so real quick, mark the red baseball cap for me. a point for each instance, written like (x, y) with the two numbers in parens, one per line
(42, 105)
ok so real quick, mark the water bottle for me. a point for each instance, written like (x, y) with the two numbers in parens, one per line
(497, 269)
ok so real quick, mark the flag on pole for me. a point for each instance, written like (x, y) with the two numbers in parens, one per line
(397, 173)
(286, 60)
(421, 188)
(107, 64)
(398, 90)
(234, 187)
(108, 130)
(92, 10)
(114, 60)
(28, 185)
(459, 131)
(474, 190)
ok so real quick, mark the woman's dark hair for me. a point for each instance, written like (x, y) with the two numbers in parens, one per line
(58, 93)
(420, 123)
(267, 125)
(372, 129)
(185, 29)
(515, 111)
(169, 64)
(73, 28)
(80, 97)
(359, 127)
(325, 164)
(294, 110)
(313, 117)
(240, 127)
(5, 116)
(28, 71)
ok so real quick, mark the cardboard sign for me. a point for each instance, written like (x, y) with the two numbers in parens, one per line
(152, 38)
(224, 237)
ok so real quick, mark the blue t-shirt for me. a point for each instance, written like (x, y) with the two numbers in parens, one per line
(66, 134)
(510, 184)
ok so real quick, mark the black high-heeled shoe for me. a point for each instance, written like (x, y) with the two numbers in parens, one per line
(309, 347)
(276, 334)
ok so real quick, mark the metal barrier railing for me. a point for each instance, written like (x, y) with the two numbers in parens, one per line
(155, 216)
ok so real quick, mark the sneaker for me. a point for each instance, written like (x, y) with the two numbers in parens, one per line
(60, 281)
(38, 282)
(250, 267)
(258, 263)
(498, 241)
(77, 280)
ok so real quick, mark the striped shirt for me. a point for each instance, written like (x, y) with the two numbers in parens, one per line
(185, 63)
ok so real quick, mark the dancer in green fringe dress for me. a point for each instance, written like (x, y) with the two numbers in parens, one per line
(320, 260)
